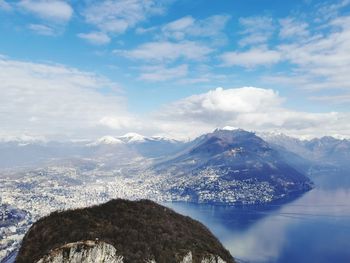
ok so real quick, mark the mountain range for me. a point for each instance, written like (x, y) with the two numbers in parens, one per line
(327, 150)
(324, 151)
(227, 165)
(33, 153)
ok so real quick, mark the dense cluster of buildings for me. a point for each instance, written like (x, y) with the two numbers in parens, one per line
(38, 192)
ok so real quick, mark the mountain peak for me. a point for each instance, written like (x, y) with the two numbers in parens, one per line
(24, 139)
(221, 140)
(132, 137)
(232, 158)
(230, 128)
(162, 138)
(230, 133)
(106, 140)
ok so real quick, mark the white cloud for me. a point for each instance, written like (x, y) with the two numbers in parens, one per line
(291, 28)
(179, 24)
(251, 58)
(203, 77)
(256, 30)
(333, 99)
(189, 27)
(180, 74)
(161, 73)
(96, 38)
(120, 122)
(53, 10)
(242, 100)
(49, 100)
(249, 108)
(328, 11)
(5, 6)
(322, 61)
(141, 30)
(167, 51)
(114, 16)
(42, 29)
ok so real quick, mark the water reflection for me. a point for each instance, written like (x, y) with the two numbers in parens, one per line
(313, 228)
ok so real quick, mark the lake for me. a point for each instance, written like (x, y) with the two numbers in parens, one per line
(312, 228)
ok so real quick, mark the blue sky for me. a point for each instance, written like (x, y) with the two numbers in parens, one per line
(86, 68)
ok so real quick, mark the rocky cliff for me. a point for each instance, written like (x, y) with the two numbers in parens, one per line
(83, 251)
(121, 231)
(96, 251)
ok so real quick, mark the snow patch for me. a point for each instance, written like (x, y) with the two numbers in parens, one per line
(106, 140)
(132, 137)
(229, 128)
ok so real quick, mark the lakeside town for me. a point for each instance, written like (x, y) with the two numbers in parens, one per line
(35, 193)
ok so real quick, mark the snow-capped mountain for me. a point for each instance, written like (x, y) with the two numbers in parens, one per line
(106, 140)
(23, 139)
(153, 147)
(301, 154)
(30, 152)
(132, 137)
(228, 128)
(229, 165)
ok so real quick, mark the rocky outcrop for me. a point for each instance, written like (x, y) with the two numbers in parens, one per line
(83, 252)
(206, 259)
(101, 252)
(212, 259)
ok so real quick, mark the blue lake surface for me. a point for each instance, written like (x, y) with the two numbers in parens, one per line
(313, 228)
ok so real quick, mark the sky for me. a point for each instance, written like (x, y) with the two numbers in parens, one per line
(81, 69)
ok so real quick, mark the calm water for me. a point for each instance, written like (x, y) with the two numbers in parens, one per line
(313, 228)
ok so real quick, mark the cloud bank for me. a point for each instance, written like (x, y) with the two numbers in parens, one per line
(54, 100)
(55, 10)
(250, 108)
